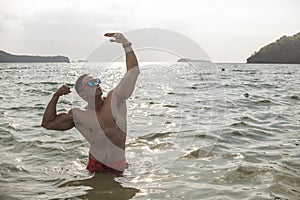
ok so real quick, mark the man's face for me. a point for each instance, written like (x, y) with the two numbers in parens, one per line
(91, 86)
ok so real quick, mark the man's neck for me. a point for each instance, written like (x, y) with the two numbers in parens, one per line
(96, 106)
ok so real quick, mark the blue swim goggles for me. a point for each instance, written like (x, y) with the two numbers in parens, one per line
(93, 82)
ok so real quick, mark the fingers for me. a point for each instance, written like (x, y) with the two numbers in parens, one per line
(63, 90)
(110, 34)
(116, 37)
(67, 89)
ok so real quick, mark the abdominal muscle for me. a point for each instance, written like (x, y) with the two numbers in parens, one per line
(106, 139)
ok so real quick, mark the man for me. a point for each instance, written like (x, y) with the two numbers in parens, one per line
(103, 121)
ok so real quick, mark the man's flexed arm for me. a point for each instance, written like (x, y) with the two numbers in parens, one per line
(54, 121)
(131, 60)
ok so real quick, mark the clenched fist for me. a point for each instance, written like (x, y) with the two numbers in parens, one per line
(63, 90)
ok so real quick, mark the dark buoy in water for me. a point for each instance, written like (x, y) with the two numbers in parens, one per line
(246, 95)
(222, 69)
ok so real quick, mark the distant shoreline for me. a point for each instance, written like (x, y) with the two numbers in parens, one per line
(10, 58)
(192, 60)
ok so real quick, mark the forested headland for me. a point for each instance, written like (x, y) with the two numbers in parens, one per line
(284, 50)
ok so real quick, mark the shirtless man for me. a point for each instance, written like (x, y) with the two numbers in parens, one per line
(103, 121)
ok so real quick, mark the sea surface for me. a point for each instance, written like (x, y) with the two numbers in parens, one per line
(195, 131)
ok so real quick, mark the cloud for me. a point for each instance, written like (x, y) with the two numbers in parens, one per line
(75, 28)
(153, 45)
(70, 32)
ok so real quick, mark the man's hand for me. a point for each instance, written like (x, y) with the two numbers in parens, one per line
(119, 38)
(131, 60)
(63, 90)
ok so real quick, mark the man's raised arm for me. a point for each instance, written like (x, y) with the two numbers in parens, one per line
(126, 86)
(54, 121)
(131, 60)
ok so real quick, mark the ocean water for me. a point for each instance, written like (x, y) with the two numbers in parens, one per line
(194, 132)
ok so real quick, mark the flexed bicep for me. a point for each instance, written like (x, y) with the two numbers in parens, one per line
(52, 120)
(62, 122)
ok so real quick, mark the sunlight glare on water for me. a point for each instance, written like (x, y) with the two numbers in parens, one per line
(193, 133)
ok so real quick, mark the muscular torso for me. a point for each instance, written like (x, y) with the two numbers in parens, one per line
(109, 124)
(103, 129)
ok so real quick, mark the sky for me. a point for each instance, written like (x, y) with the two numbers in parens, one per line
(228, 30)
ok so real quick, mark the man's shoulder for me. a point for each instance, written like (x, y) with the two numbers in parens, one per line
(109, 95)
(110, 92)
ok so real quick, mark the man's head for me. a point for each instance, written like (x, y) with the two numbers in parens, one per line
(88, 87)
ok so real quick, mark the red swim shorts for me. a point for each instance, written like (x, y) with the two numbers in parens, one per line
(96, 166)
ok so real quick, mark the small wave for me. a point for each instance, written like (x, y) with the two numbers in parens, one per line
(247, 173)
(45, 83)
(38, 91)
(198, 153)
(21, 108)
(39, 106)
(244, 70)
(247, 133)
(152, 103)
(153, 136)
(259, 86)
(7, 138)
(192, 87)
(240, 124)
(267, 86)
(263, 102)
(294, 97)
(233, 155)
(162, 146)
(237, 133)
(246, 118)
(205, 136)
(288, 184)
(177, 94)
(11, 168)
(170, 106)
(251, 120)
(11, 126)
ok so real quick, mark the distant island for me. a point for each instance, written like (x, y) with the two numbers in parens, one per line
(10, 58)
(191, 60)
(284, 50)
(82, 61)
